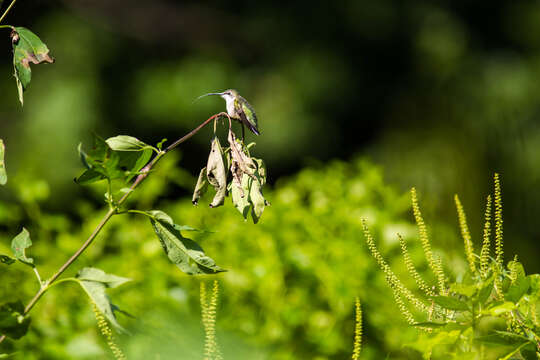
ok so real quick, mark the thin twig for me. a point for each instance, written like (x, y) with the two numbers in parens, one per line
(112, 211)
(7, 10)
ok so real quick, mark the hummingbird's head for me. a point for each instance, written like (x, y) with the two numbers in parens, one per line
(229, 94)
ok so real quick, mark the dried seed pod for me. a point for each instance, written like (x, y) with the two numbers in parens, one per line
(216, 173)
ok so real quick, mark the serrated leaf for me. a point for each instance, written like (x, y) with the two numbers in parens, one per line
(19, 244)
(94, 282)
(27, 49)
(8, 260)
(200, 187)
(451, 303)
(216, 173)
(185, 253)
(126, 143)
(12, 321)
(3, 174)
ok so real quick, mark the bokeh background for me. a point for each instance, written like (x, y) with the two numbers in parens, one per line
(436, 95)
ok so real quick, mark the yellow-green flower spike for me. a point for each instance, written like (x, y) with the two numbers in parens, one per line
(486, 243)
(424, 239)
(465, 234)
(357, 331)
(108, 334)
(412, 269)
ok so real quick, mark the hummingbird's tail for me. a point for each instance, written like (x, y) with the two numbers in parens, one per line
(252, 128)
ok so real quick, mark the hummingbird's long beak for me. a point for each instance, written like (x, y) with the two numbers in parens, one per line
(207, 95)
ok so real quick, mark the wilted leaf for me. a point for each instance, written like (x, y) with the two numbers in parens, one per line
(185, 253)
(257, 200)
(200, 187)
(19, 244)
(3, 174)
(216, 173)
(8, 260)
(95, 282)
(450, 303)
(27, 49)
(126, 143)
(240, 162)
(240, 196)
(12, 321)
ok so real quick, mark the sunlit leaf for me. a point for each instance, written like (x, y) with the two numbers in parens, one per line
(3, 174)
(257, 200)
(502, 338)
(27, 49)
(430, 324)
(185, 253)
(95, 282)
(12, 321)
(517, 289)
(499, 308)
(19, 244)
(126, 143)
(485, 291)
(451, 303)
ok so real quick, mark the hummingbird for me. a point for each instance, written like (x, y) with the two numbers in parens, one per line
(239, 109)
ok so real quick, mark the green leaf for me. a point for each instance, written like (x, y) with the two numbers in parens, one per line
(27, 49)
(517, 289)
(98, 275)
(3, 174)
(451, 303)
(102, 162)
(12, 321)
(185, 253)
(216, 173)
(485, 291)
(126, 143)
(160, 144)
(499, 308)
(502, 338)
(429, 324)
(200, 187)
(19, 244)
(95, 282)
(8, 260)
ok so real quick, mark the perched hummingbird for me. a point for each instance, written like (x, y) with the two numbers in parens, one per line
(239, 109)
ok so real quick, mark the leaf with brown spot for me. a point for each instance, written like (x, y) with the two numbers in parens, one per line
(27, 49)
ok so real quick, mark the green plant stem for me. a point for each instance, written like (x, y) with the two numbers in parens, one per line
(7, 10)
(112, 211)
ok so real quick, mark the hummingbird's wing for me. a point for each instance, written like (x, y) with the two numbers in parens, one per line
(247, 115)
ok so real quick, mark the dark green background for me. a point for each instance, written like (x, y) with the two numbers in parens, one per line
(440, 94)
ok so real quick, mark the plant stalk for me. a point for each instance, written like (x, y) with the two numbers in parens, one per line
(112, 211)
(7, 10)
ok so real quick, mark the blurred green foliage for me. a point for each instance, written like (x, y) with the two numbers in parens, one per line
(291, 282)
